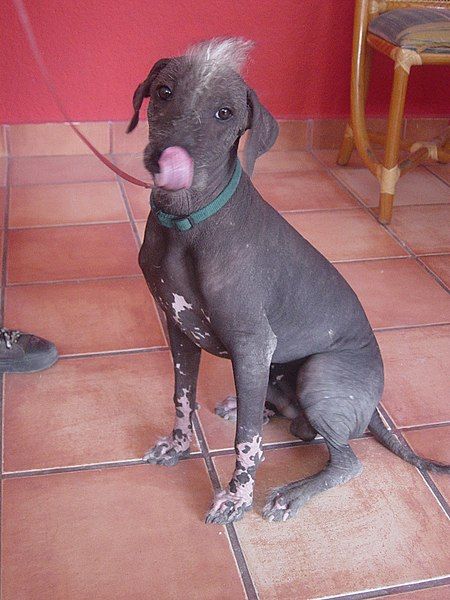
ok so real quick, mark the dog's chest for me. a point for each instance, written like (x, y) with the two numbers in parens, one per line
(172, 281)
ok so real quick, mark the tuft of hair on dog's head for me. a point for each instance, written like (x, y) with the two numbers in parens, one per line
(231, 53)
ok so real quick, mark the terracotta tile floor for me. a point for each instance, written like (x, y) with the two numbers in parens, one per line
(83, 518)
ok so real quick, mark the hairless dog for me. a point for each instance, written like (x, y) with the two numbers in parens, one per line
(235, 279)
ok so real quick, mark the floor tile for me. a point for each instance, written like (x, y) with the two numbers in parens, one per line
(397, 292)
(47, 139)
(355, 537)
(2, 206)
(417, 187)
(3, 145)
(416, 377)
(133, 165)
(293, 135)
(345, 234)
(304, 190)
(215, 384)
(282, 161)
(123, 142)
(98, 409)
(66, 204)
(442, 171)
(134, 532)
(3, 170)
(139, 199)
(433, 444)
(439, 265)
(76, 252)
(424, 129)
(141, 229)
(28, 170)
(328, 133)
(90, 316)
(329, 158)
(423, 227)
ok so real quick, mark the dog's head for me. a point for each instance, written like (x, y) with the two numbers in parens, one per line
(199, 108)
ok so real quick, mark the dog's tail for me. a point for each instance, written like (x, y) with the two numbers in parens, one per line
(390, 441)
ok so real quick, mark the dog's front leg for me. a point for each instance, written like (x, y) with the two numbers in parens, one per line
(186, 359)
(251, 360)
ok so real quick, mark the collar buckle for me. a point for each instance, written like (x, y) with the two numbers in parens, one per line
(184, 223)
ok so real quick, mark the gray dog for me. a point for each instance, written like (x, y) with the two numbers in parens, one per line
(235, 279)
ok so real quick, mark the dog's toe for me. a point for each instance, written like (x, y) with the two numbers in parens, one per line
(279, 508)
(164, 453)
(227, 409)
(227, 508)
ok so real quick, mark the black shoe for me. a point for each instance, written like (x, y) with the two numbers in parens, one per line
(25, 353)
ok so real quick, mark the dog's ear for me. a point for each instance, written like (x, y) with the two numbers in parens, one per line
(143, 91)
(263, 131)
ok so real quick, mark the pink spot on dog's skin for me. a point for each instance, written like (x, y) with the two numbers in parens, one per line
(182, 429)
(179, 304)
(240, 490)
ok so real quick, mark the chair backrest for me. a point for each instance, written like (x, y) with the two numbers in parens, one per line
(376, 7)
(366, 10)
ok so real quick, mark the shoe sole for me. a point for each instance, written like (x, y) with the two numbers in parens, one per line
(30, 366)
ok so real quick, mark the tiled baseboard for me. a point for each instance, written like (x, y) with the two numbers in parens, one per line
(57, 139)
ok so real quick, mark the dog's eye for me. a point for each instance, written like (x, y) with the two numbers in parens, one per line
(164, 92)
(224, 114)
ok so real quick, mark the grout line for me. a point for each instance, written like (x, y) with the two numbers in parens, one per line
(231, 531)
(435, 276)
(387, 228)
(391, 590)
(2, 318)
(407, 428)
(86, 467)
(75, 280)
(440, 177)
(113, 353)
(160, 312)
(280, 445)
(62, 225)
(137, 237)
(110, 134)
(129, 211)
(418, 326)
(443, 504)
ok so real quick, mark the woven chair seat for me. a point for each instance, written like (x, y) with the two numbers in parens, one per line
(422, 30)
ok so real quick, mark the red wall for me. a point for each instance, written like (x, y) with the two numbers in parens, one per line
(98, 50)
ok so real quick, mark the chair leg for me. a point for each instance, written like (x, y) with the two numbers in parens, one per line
(390, 173)
(347, 147)
(348, 141)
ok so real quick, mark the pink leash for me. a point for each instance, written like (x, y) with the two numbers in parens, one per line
(26, 25)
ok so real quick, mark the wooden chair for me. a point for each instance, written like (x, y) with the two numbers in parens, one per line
(411, 33)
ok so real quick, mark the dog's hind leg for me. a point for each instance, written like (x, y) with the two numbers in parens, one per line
(338, 392)
(186, 358)
(284, 502)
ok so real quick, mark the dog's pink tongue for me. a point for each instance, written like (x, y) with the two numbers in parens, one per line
(176, 169)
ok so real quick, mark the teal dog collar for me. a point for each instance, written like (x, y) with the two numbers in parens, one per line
(187, 222)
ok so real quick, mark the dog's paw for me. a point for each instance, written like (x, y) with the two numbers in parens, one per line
(165, 452)
(279, 507)
(227, 409)
(227, 507)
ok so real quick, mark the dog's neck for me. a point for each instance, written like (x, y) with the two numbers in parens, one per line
(185, 202)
